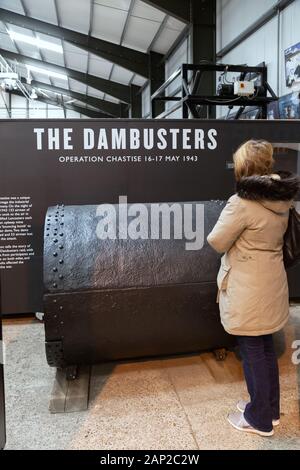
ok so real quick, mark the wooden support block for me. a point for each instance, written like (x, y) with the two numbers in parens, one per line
(58, 394)
(77, 398)
(70, 395)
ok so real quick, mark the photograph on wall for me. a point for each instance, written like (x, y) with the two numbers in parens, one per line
(273, 111)
(250, 113)
(289, 106)
(292, 66)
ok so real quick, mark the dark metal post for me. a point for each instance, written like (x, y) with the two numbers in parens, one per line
(203, 40)
(156, 79)
(123, 110)
(136, 102)
(184, 79)
(264, 109)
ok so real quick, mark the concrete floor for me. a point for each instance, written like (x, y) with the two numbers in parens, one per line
(179, 403)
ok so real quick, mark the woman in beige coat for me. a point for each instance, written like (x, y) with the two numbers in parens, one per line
(253, 291)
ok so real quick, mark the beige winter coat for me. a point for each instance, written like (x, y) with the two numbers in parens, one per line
(253, 291)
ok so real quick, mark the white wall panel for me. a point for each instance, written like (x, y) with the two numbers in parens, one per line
(4, 103)
(37, 110)
(18, 107)
(177, 114)
(260, 47)
(55, 113)
(235, 16)
(72, 114)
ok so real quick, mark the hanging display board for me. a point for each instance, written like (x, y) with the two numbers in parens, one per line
(80, 162)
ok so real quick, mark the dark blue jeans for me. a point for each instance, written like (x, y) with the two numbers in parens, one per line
(262, 378)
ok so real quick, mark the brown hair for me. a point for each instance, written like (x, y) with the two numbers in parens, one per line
(254, 157)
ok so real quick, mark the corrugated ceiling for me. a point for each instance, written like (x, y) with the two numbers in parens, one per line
(131, 23)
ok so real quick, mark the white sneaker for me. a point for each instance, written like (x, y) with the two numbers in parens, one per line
(238, 421)
(241, 406)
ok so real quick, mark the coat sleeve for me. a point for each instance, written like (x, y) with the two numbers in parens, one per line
(231, 223)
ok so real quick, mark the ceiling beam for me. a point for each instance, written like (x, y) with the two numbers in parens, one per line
(102, 105)
(180, 9)
(135, 61)
(87, 112)
(118, 90)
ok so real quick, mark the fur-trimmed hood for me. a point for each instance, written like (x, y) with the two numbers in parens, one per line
(275, 191)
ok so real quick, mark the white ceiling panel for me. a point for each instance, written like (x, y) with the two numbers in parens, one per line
(13, 5)
(40, 77)
(138, 80)
(81, 104)
(108, 23)
(165, 40)
(41, 9)
(173, 23)
(51, 56)
(28, 50)
(95, 93)
(112, 99)
(74, 14)
(75, 58)
(50, 39)
(121, 75)
(142, 10)
(21, 68)
(5, 41)
(60, 83)
(77, 86)
(140, 33)
(25, 49)
(99, 67)
(3, 28)
(119, 4)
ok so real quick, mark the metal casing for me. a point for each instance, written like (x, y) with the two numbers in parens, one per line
(118, 299)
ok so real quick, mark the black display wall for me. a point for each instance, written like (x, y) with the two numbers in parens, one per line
(45, 162)
(2, 400)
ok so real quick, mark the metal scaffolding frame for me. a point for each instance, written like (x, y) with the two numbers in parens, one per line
(191, 102)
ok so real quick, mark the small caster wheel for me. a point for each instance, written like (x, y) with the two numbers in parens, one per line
(220, 354)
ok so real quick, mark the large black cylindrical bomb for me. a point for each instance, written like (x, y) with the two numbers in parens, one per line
(120, 298)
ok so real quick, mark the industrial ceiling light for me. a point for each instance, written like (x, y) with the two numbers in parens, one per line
(33, 95)
(35, 41)
(50, 73)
